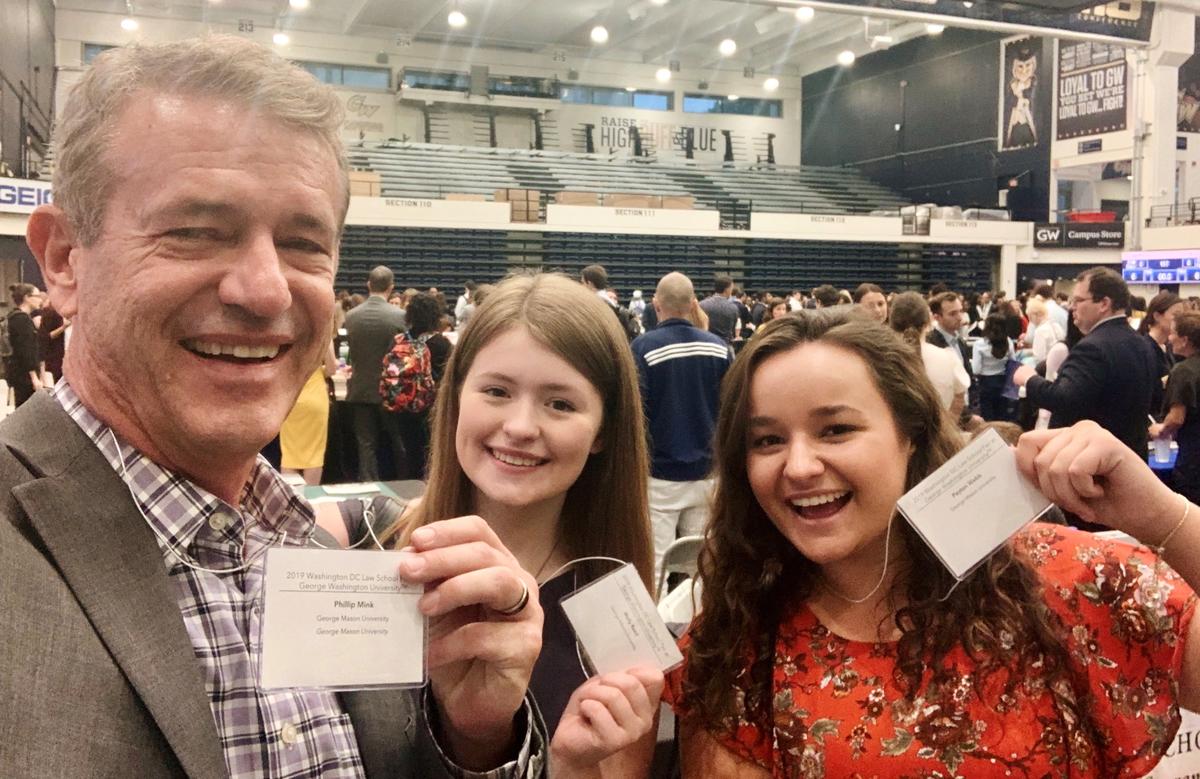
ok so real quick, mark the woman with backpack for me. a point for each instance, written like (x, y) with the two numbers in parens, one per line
(21, 358)
(411, 372)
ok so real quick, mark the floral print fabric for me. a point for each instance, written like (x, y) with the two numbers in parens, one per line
(839, 712)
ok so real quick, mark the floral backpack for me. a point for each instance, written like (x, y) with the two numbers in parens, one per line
(407, 380)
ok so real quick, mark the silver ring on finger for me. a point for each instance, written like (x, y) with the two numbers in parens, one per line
(517, 607)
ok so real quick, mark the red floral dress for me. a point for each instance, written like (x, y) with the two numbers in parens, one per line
(838, 711)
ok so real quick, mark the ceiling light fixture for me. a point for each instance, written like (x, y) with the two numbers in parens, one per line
(771, 84)
(846, 58)
(659, 2)
(630, 89)
(805, 14)
(728, 47)
(299, 5)
(663, 75)
(129, 24)
(935, 29)
(732, 98)
(281, 39)
(456, 19)
(599, 34)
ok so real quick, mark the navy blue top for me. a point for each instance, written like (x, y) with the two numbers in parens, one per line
(680, 368)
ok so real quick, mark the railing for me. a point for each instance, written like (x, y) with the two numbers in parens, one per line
(33, 126)
(1175, 214)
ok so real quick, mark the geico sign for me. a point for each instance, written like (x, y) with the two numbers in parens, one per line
(22, 195)
(1048, 234)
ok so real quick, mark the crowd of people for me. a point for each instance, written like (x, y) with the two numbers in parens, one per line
(33, 338)
(202, 184)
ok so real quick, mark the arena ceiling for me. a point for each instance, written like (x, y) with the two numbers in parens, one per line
(770, 36)
(770, 39)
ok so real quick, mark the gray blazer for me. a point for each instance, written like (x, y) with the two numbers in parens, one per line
(371, 330)
(97, 674)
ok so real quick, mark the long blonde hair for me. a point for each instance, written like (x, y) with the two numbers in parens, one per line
(606, 511)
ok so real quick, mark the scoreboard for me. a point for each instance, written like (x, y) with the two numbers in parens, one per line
(1173, 266)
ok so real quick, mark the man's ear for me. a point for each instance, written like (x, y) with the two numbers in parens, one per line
(52, 241)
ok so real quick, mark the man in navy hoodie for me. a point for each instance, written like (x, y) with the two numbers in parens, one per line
(680, 368)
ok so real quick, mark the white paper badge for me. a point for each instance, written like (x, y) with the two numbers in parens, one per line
(617, 625)
(339, 619)
(974, 503)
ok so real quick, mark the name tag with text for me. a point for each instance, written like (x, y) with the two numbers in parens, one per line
(975, 502)
(339, 619)
(618, 626)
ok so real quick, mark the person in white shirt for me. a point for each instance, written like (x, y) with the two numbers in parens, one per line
(1057, 313)
(1045, 332)
(910, 317)
(464, 300)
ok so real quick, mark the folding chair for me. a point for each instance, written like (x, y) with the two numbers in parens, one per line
(680, 557)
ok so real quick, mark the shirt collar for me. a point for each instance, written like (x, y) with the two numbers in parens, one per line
(949, 336)
(177, 508)
(1108, 319)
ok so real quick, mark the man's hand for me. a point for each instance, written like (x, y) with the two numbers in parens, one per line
(605, 715)
(1023, 374)
(1086, 470)
(480, 660)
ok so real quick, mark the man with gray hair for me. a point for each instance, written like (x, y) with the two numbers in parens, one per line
(200, 195)
(680, 368)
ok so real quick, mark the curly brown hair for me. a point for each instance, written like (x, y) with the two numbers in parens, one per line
(753, 576)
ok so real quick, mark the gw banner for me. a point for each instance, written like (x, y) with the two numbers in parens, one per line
(1125, 20)
(1079, 235)
(1024, 83)
(1093, 89)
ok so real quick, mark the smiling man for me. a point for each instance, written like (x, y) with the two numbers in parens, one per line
(200, 193)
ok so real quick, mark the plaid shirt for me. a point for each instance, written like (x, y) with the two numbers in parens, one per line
(281, 734)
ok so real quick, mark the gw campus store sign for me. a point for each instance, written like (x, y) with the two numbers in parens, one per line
(1082, 235)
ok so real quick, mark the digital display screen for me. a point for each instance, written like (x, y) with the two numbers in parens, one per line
(1181, 266)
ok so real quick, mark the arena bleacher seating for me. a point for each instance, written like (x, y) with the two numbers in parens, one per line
(447, 257)
(434, 171)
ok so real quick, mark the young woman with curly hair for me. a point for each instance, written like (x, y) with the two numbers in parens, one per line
(831, 641)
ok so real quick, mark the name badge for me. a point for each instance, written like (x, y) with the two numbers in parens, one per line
(618, 626)
(976, 501)
(339, 619)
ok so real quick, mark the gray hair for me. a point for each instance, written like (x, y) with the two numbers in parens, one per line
(224, 67)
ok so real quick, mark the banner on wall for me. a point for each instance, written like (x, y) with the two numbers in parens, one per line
(1189, 90)
(1125, 19)
(21, 196)
(707, 138)
(1093, 89)
(369, 115)
(1023, 120)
